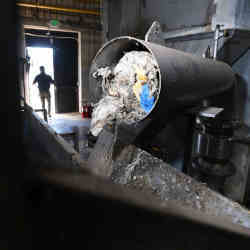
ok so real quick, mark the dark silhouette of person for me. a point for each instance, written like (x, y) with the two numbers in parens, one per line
(44, 82)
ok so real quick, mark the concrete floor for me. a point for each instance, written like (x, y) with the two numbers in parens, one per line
(64, 125)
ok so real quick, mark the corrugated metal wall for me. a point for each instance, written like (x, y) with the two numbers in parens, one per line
(87, 20)
(91, 43)
(89, 26)
(126, 17)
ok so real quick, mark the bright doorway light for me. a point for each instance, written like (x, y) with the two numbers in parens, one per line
(40, 57)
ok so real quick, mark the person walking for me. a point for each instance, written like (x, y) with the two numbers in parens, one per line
(44, 82)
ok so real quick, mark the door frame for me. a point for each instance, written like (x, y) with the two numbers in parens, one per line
(79, 84)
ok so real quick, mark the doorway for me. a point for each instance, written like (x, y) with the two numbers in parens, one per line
(58, 51)
(40, 57)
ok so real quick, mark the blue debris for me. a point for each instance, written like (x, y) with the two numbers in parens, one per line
(146, 100)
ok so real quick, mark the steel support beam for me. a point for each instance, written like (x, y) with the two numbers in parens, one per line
(47, 7)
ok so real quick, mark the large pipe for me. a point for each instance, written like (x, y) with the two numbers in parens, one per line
(185, 79)
(46, 7)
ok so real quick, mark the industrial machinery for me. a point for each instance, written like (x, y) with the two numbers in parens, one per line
(201, 89)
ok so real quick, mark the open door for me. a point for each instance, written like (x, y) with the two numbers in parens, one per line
(66, 75)
(40, 56)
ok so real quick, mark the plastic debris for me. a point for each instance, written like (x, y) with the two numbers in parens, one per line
(130, 89)
(146, 101)
(105, 112)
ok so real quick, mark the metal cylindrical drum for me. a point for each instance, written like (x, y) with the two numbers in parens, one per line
(184, 79)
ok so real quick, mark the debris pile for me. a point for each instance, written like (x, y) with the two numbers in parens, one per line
(130, 89)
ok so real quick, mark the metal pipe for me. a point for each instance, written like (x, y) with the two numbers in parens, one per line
(47, 7)
(216, 40)
(185, 79)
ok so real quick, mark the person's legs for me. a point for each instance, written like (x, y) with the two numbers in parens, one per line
(49, 103)
(42, 99)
